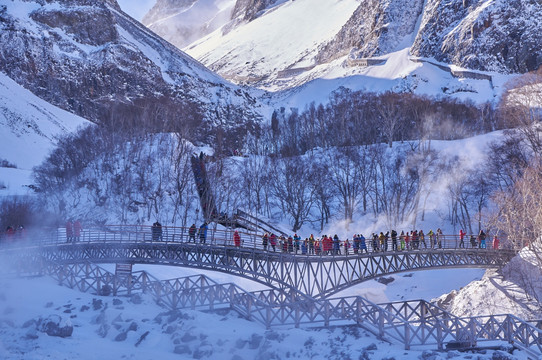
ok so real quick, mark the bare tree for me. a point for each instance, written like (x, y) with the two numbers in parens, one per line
(520, 107)
(345, 178)
(255, 178)
(519, 213)
(289, 185)
(390, 115)
(323, 191)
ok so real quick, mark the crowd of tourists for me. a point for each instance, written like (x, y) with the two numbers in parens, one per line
(377, 242)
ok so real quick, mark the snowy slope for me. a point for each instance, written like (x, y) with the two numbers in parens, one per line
(29, 127)
(516, 289)
(285, 38)
(92, 59)
(313, 47)
(136, 328)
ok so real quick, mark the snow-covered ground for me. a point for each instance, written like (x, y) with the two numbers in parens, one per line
(514, 293)
(29, 128)
(136, 328)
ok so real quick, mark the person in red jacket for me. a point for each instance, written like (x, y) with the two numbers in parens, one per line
(10, 233)
(69, 231)
(77, 228)
(273, 241)
(461, 238)
(236, 239)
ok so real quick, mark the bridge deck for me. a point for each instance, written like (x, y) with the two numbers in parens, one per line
(314, 275)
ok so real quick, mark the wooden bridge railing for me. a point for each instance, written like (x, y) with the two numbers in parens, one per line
(411, 323)
(224, 238)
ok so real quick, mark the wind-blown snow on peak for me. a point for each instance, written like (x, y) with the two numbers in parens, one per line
(183, 22)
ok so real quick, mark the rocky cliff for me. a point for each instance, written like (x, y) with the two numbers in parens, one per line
(502, 35)
(250, 9)
(377, 27)
(90, 58)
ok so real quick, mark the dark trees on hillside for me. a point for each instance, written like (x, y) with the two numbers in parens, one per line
(360, 118)
(128, 175)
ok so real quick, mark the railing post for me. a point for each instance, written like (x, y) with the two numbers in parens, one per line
(268, 317)
(423, 314)
(249, 307)
(472, 330)
(193, 300)
(212, 298)
(381, 323)
(407, 335)
(297, 317)
(439, 335)
(358, 310)
(508, 329)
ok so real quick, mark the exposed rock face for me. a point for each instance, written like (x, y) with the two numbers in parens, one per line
(376, 28)
(88, 57)
(489, 35)
(248, 9)
(85, 28)
(502, 35)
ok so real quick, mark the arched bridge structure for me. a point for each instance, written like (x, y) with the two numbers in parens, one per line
(317, 276)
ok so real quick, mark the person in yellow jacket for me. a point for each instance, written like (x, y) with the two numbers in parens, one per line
(431, 235)
(381, 240)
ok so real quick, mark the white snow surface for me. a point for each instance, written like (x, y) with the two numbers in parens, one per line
(287, 38)
(110, 328)
(277, 40)
(30, 128)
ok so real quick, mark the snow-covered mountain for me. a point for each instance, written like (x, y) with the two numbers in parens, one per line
(499, 35)
(284, 44)
(92, 59)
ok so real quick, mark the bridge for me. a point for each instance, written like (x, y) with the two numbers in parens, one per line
(300, 286)
(414, 324)
(317, 276)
